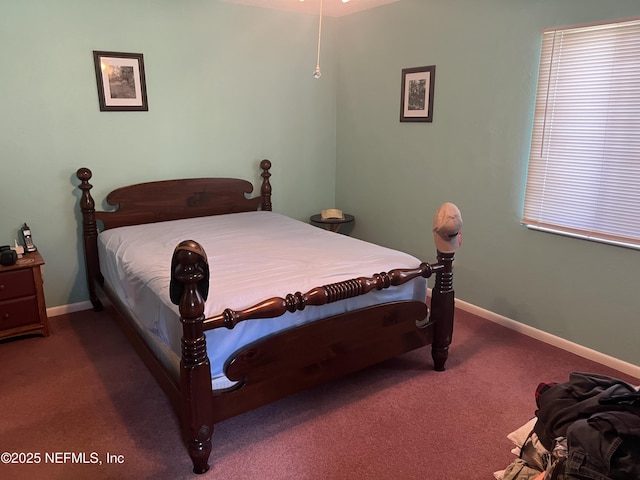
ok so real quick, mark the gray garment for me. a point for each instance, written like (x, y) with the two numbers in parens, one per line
(600, 417)
(606, 446)
(582, 396)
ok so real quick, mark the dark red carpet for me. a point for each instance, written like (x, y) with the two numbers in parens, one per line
(83, 391)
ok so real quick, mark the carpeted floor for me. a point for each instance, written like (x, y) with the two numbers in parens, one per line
(83, 390)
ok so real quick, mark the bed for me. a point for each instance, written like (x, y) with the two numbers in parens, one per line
(233, 306)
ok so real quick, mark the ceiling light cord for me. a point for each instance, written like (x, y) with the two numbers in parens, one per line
(317, 73)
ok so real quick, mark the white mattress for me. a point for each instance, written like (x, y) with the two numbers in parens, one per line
(252, 256)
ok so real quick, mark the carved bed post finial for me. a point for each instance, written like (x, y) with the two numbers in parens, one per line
(447, 235)
(90, 236)
(265, 190)
(188, 289)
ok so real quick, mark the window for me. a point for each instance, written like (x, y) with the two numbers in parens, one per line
(584, 165)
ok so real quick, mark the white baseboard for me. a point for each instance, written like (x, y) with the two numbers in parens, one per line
(588, 353)
(70, 308)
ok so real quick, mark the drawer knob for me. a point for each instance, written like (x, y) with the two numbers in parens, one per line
(1, 287)
(5, 316)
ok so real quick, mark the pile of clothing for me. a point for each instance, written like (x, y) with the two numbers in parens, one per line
(585, 429)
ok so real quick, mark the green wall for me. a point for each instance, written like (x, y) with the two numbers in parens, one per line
(228, 85)
(392, 176)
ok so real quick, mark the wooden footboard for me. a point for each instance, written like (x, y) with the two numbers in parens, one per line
(305, 356)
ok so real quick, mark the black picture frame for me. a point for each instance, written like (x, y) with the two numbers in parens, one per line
(121, 81)
(416, 101)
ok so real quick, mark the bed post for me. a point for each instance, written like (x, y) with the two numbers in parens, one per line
(447, 235)
(442, 311)
(195, 373)
(265, 190)
(90, 236)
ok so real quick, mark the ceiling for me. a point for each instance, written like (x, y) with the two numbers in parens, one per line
(330, 8)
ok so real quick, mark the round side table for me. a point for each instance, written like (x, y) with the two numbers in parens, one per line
(332, 224)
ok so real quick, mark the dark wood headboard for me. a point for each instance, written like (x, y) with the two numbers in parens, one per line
(175, 199)
(162, 201)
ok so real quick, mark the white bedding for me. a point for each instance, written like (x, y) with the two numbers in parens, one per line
(252, 256)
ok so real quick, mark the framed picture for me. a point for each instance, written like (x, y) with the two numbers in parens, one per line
(416, 103)
(121, 81)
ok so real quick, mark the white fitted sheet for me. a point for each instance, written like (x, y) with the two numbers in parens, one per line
(252, 256)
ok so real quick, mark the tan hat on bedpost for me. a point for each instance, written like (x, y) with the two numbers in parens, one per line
(447, 228)
(176, 288)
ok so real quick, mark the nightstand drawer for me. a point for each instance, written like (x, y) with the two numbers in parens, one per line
(17, 283)
(14, 313)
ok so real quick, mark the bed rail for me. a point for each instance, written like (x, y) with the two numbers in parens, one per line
(278, 306)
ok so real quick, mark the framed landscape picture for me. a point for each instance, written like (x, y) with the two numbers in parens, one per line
(416, 104)
(121, 81)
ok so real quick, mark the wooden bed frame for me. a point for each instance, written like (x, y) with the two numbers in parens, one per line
(281, 364)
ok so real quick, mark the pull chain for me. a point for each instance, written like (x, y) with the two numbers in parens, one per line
(317, 73)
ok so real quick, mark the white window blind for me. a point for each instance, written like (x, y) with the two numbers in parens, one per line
(584, 165)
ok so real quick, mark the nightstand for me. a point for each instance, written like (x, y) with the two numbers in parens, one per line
(332, 224)
(22, 307)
